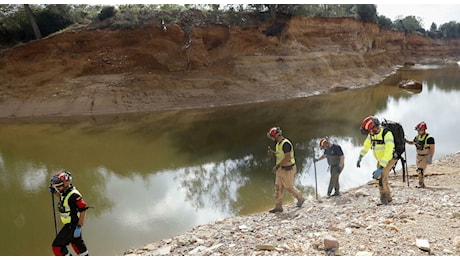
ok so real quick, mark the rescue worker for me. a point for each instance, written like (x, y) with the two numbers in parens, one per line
(424, 143)
(72, 210)
(285, 169)
(336, 161)
(381, 141)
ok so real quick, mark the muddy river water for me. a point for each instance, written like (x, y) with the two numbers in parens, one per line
(154, 176)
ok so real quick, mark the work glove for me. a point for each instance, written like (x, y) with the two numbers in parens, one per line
(430, 160)
(51, 189)
(358, 164)
(376, 174)
(77, 232)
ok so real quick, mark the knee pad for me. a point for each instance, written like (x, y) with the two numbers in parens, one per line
(60, 251)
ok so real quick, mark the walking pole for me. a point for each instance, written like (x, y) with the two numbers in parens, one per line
(54, 213)
(407, 170)
(316, 183)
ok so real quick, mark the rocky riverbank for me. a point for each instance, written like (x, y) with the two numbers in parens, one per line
(419, 222)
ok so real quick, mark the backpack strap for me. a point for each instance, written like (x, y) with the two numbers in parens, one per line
(375, 141)
(385, 131)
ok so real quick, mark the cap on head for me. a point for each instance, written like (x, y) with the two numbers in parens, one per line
(59, 178)
(420, 126)
(368, 124)
(274, 131)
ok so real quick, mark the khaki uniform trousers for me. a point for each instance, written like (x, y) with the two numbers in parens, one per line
(284, 180)
(382, 182)
(422, 163)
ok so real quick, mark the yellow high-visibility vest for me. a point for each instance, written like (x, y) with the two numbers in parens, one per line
(382, 146)
(65, 215)
(280, 153)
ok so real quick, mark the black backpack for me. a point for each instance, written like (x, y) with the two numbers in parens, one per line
(398, 135)
(400, 144)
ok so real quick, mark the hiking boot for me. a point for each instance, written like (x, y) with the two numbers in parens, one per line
(300, 202)
(276, 209)
(337, 194)
(420, 185)
(384, 201)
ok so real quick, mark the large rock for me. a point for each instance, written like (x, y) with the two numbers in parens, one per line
(423, 244)
(331, 243)
(410, 84)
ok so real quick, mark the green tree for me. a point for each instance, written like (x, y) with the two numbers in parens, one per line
(367, 13)
(384, 22)
(53, 18)
(434, 32)
(32, 21)
(451, 30)
(409, 24)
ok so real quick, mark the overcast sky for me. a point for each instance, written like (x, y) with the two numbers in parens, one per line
(439, 14)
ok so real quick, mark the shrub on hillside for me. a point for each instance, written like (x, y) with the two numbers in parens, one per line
(106, 12)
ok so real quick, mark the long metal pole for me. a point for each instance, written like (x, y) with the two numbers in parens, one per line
(54, 213)
(316, 182)
(407, 170)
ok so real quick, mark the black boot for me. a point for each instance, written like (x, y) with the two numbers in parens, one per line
(277, 208)
(420, 185)
(383, 199)
(300, 202)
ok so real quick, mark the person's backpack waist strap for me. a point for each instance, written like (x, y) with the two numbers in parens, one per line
(287, 168)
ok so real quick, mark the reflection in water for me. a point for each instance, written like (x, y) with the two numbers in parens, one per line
(220, 180)
(153, 176)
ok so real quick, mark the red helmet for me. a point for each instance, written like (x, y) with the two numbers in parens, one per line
(59, 178)
(369, 123)
(323, 141)
(274, 131)
(420, 126)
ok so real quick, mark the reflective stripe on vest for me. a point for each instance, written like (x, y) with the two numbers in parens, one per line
(384, 153)
(382, 147)
(420, 142)
(280, 153)
(65, 216)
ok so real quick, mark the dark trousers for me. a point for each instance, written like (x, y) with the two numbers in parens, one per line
(334, 181)
(64, 238)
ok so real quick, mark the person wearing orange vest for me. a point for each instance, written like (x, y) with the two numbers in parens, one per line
(424, 143)
(336, 161)
(285, 169)
(72, 209)
(381, 141)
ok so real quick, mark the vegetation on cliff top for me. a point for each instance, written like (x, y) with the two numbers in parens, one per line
(23, 23)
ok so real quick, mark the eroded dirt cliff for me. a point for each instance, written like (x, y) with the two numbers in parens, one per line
(89, 72)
